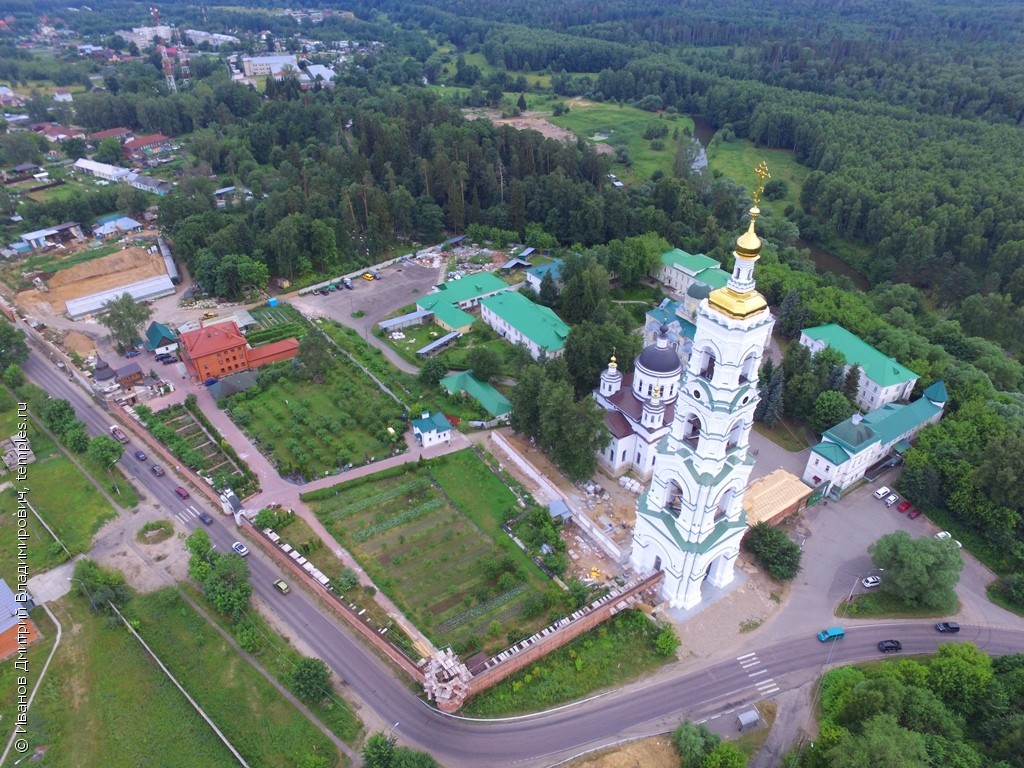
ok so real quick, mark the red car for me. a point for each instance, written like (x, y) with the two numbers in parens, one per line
(903, 507)
(914, 513)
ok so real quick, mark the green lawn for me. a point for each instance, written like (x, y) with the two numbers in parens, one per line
(64, 497)
(624, 126)
(431, 539)
(279, 659)
(89, 712)
(737, 160)
(620, 650)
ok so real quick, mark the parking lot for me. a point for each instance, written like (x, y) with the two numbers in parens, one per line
(400, 284)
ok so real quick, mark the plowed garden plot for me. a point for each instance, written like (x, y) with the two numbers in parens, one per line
(194, 447)
(431, 538)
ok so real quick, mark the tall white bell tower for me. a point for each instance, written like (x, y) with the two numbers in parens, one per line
(690, 521)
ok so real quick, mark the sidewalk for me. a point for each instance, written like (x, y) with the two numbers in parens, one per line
(274, 489)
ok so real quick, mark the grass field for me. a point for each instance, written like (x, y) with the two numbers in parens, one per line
(64, 497)
(737, 160)
(431, 539)
(89, 712)
(624, 126)
(311, 429)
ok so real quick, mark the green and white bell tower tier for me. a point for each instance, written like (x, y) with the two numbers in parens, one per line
(690, 521)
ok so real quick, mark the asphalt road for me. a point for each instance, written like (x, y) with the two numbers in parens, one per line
(643, 708)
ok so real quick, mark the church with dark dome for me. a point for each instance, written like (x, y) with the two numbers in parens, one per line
(639, 407)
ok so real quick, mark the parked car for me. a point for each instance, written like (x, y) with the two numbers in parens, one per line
(870, 582)
(832, 633)
(948, 626)
(182, 493)
(132, 353)
(903, 507)
(891, 499)
(240, 548)
(324, 292)
(281, 587)
(206, 518)
(169, 360)
(914, 513)
(882, 492)
(367, 276)
(376, 275)
(943, 535)
(158, 471)
(140, 456)
(890, 646)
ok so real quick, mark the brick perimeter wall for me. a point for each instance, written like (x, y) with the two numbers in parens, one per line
(557, 639)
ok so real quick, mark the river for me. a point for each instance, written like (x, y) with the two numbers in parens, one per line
(824, 261)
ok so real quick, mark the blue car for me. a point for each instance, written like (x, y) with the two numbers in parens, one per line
(832, 633)
(140, 456)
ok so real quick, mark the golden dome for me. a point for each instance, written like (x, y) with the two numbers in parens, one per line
(612, 363)
(748, 244)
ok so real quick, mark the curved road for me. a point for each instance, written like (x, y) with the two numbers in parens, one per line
(643, 708)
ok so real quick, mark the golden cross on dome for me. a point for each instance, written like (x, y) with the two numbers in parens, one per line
(762, 173)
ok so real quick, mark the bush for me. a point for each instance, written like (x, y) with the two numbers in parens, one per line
(774, 551)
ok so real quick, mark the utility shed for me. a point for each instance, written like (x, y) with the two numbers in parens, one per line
(748, 719)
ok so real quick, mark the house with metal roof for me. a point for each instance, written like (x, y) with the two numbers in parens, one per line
(519, 321)
(100, 170)
(431, 429)
(160, 339)
(678, 270)
(534, 275)
(450, 300)
(16, 628)
(491, 399)
(882, 379)
(850, 448)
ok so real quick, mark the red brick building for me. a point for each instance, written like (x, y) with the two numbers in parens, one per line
(219, 350)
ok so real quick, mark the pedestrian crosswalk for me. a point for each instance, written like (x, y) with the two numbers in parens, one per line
(187, 515)
(758, 677)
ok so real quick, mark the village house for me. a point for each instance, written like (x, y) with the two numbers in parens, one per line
(431, 429)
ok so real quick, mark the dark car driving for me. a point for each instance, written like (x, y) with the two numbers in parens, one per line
(890, 646)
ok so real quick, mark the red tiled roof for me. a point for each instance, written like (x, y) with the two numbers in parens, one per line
(273, 352)
(114, 133)
(211, 339)
(140, 142)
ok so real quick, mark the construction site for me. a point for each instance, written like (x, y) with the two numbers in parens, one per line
(53, 290)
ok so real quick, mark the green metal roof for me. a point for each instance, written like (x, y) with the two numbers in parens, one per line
(831, 452)
(539, 324)
(715, 276)
(159, 335)
(881, 369)
(882, 425)
(435, 422)
(491, 399)
(690, 262)
(449, 314)
(471, 287)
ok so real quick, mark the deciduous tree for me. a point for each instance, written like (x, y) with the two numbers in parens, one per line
(124, 318)
(921, 572)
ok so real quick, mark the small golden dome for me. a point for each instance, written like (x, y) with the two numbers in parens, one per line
(749, 244)
(612, 363)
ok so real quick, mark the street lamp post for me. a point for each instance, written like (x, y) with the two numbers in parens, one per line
(112, 480)
(85, 589)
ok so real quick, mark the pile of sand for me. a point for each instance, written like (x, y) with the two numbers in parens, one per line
(132, 265)
(80, 343)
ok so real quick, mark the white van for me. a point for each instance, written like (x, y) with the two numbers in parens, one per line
(881, 493)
